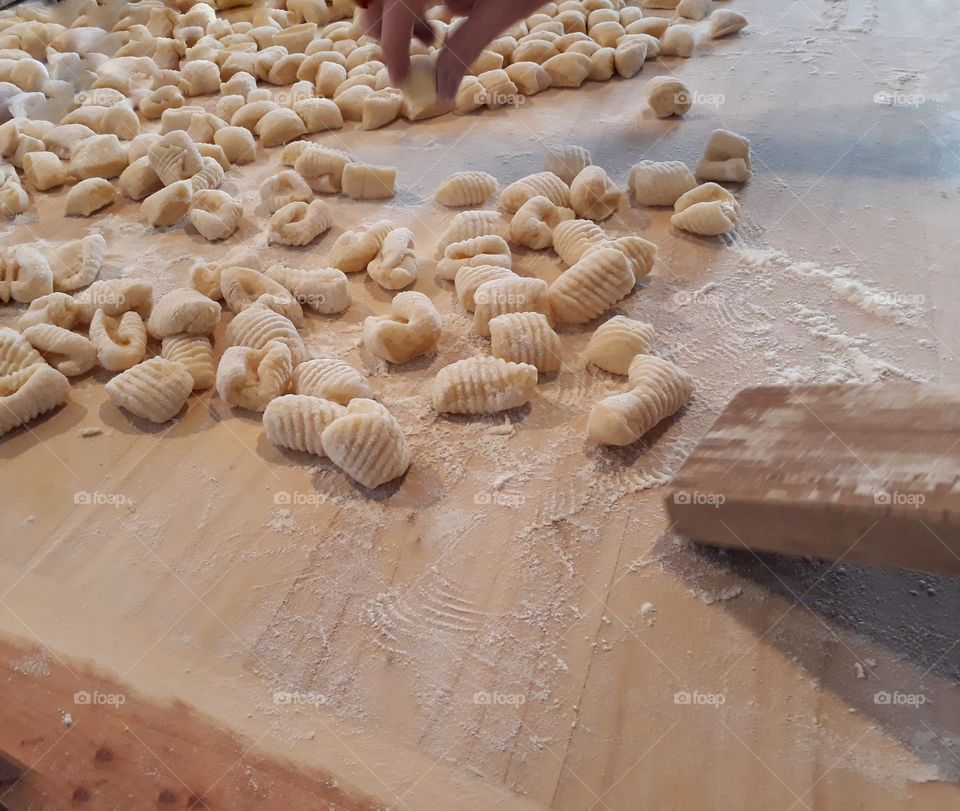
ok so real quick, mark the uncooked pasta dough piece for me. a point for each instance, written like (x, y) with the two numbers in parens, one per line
(98, 156)
(658, 390)
(324, 290)
(498, 88)
(121, 341)
(25, 275)
(167, 206)
(195, 354)
(68, 352)
(330, 378)
(509, 295)
(43, 170)
(299, 223)
(363, 181)
(470, 277)
(282, 188)
(244, 287)
(139, 180)
(396, 264)
(726, 158)
(215, 214)
(356, 248)
(297, 422)
(616, 342)
(258, 325)
(660, 183)
(568, 69)
(88, 197)
(593, 195)
(466, 189)
(250, 377)
(154, 390)
(544, 184)
(567, 162)
(175, 157)
(629, 57)
(707, 210)
(410, 330)
(530, 78)
(693, 9)
(470, 224)
(367, 444)
(15, 352)
(724, 22)
(533, 224)
(594, 284)
(29, 392)
(678, 40)
(381, 108)
(54, 308)
(321, 166)
(487, 250)
(279, 126)
(483, 385)
(237, 144)
(210, 175)
(668, 97)
(640, 253)
(114, 297)
(526, 338)
(573, 238)
(183, 310)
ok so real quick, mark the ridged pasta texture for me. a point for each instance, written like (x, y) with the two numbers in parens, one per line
(483, 385)
(466, 189)
(28, 392)
(367, 443)
(616, 342)
(331, 379)
(593, 285)
(526, 338)
(154, 390)
(297, 422)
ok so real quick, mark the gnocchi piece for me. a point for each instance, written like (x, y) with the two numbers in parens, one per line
(640, 253)
(351, 99)
(88, 197)
(120, 341)
(237, 144)
(154, 390)
(299, 223)
(668, 97)
(209, 177)
(590, 287)
(319, 115)
(356, 248)
(114, 297)
(15, 352)
(533, 224)
(77, 262)
(168, 205)
(396, 264)
(470, 96)
(321, 166)
(469, 279)
(707, 210)
(381, 108)
(658, 390)
(282, 188)
(250, 114)
(13, 199)
(53, 308)
(660, 183)
(616, 342)
(487, 250)
(367, 443)
(25, 274)
(569, 69)
(629, 57)
(331, 379)
(483, 385)
(183, 310)
(68, 352)
(724, 22)
(215, 214)
(573, 238)
(567, 162)
(498, 89)
(61, 139)
(258, 325)
(593, 195)
(466, 189)
(515, 294)
(139, 180)
(324, 290)
(163, 98)
(469, 225)
(243, 287)
(175, 157)
(693, 9)
(726, 158)
(43, 170)
(606, 32)
(100, 156)
(199, 77)
(363, 181)
(529, 78)
(536, 51)
(297, 422)
(27, 393)
(410, 330)
(329, 76)
(544, 184)
(526, 338)
(678, 40)
(251, 378)
(420, 98)
(279, 126)
(195, 354)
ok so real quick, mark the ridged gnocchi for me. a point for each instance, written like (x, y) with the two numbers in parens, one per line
(154, 390)
(533, 224)
(332, 379)
(590, 287)
(28, 392)
(367, 443)
(120, 341)
(526, 338)
(707, 210)
(396, 264)
(297, 422)
(486, 250)
(466, 189)
(483, 385)
(250, 377)
(655, 183)
(615, 343)
(410, 330)
(356, 248)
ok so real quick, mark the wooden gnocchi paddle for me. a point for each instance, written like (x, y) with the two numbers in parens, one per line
(868, 474)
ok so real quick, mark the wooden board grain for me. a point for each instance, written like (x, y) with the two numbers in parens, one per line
(864, 473)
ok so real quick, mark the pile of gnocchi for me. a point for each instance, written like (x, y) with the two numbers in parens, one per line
(102, 107)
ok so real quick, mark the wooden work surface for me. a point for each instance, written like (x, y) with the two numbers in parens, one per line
(514, 624)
